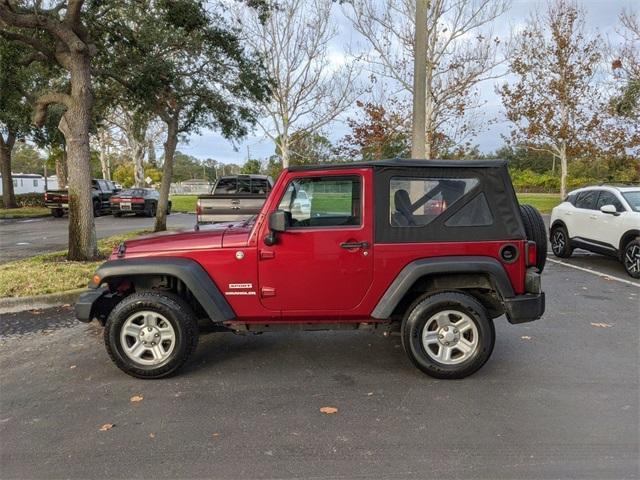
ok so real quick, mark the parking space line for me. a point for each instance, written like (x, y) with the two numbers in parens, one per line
(594, 272)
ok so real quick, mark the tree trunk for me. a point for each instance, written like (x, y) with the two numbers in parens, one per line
(75, 127)
(563, 171)
(105, 162)
(285, 154)
(61, 168)
(418, 145)
(167, 173)
(6, 148)
(138, 165)
(151, 149)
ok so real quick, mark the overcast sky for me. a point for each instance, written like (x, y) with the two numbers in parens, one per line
(601, 17)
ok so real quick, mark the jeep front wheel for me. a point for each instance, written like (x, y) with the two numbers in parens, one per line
(151, 335)
(447, 335)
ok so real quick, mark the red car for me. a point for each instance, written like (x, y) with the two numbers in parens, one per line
(366, 255)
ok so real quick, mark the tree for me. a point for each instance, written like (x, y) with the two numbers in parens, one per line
(379, 134)
(251, 166)
(63, 39)
(182, 62)
(461, 52)
(553, 103)
(16, 81)
(308, 91)
(626, 65)
(306, 148)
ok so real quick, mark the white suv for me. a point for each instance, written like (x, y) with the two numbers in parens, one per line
(604, 219)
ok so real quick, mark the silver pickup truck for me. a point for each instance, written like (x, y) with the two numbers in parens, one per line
(233, 198)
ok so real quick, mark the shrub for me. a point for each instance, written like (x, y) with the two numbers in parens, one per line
(28, 200)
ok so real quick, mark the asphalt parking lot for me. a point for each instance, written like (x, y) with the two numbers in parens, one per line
(23, 238)
(558, 399)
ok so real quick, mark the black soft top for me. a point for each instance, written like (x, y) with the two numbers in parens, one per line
(404, 163)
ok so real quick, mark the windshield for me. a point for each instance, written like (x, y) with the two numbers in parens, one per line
(633, 199)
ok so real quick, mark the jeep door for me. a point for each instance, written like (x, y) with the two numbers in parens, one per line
(323, 262)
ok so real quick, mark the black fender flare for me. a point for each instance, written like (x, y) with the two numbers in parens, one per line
(189, 271)
(442, 265)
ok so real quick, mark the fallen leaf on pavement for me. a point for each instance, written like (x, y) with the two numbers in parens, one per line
(137, 398)
(525, 337)
(152, 435)
(72, 366)
(106, 426)
(601, 325)
(370, 393)
(215, 435)
(329, 410)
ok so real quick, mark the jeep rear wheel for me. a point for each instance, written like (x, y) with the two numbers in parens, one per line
(447, 335)
(151, 335)
(536, 232)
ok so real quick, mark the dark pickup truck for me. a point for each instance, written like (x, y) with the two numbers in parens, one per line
(101, 191)
(234, 198)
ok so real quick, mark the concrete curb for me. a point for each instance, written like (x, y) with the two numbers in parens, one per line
(22, 304)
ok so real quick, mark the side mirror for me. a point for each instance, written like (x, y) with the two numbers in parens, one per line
(609, 209)
(277, 223)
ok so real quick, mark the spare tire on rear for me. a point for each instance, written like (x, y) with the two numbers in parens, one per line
(536, 232)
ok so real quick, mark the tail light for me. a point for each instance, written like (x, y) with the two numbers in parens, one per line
(532, 254)
(198, 208)
(46, 196)
(137, 200)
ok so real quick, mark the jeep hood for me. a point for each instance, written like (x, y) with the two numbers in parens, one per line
(205, 238)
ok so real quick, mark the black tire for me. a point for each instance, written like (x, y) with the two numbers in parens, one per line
(57, 212)
(175, 310)
(117, 214)
(560, 242)
(631, 258)
(169, 209)
(151, 210)
(536, 231)
(96, 209)
(420, 315)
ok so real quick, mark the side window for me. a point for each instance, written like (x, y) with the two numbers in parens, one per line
(475, 213)
(226, 186)
(259, 186)
(323, 202)
(35, 183)
(587, 199)
(416, 202)
(608, 198)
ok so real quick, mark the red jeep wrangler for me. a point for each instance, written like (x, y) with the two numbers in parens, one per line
(432, 249)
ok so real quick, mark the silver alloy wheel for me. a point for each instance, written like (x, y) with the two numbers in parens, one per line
(450, 337)
(558, 241)
(147, 338)
(632, 259)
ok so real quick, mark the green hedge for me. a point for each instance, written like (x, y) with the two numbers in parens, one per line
(28, 200)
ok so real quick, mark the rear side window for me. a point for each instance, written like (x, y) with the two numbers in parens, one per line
(416, 202)
(475, 213)
(587, 199)
(226, 186)
(323, 202)
(259, 186)
(608, 198)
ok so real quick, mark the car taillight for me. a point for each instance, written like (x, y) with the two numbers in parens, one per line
(198, 208)
(46, 196)
(137, 200)
(532, 254)
(115, 199)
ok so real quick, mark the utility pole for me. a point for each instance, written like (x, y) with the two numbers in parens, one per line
(419, 81)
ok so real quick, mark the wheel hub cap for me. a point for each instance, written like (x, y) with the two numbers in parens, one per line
(450, 337)
(147, 338)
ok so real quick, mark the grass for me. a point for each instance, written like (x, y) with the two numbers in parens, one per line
(24, 212)
(52, 272)
(183, 203)
(542, 201)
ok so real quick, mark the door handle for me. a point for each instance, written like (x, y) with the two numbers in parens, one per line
(350, 245)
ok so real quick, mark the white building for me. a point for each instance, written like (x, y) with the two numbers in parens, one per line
(31, 183)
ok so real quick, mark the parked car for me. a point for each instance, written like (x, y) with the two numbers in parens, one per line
(365, 256)
(233, 198)
(137, 201)
(101, 191)
(603, 219)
